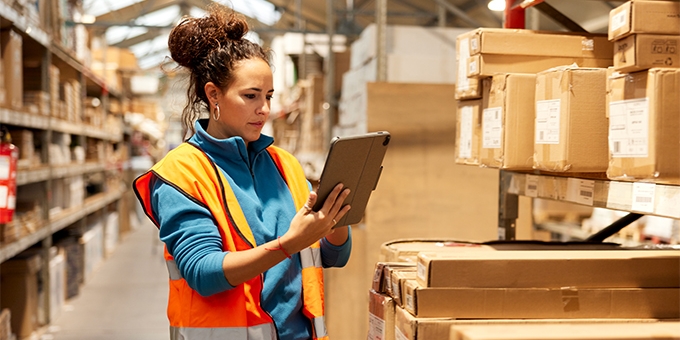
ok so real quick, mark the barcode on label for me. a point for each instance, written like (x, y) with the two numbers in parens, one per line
(643, 199)
(532, 187)
(617, 147)
(586, 193)
(541, 136)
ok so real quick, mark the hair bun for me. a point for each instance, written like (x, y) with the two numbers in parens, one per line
(194, 38)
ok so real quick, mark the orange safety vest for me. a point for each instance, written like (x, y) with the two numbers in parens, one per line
(235, 313)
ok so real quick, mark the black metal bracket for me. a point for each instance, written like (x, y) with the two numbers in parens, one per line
(614, 228)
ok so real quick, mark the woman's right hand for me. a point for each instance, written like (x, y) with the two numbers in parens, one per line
(309, 226)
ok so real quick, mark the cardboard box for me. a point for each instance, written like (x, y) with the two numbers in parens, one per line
(550, 269)
(408, 249)
(397, 279)
(5, 324)
(381, 274)
(466, 88)
(650, 17)
(12, 59)
(486, 65)
(541, 303)
(19, 281)
(468, 130)
(568, 331)
(380, 316)
(539, 43)
(571, 127)
(638, 52)
(507, 122)
(648, 99)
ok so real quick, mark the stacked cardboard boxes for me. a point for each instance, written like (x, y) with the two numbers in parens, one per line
(500, 92)
(467, 284)
(642, 92)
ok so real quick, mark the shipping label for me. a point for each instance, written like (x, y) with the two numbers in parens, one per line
(531, 188)
(465, 142)
(492, 128)
(548, 121)
(643, 197)
(376, 327)
(463, 54)
(629, 128)
(580, 191)
(618, 20)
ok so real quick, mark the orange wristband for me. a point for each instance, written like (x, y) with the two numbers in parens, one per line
(280, 247)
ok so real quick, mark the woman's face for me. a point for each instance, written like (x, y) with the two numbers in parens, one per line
(245, 103)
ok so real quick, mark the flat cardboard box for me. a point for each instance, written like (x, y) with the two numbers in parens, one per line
(569, 331)
(639, 52)
(551, 269)
(408, 249)
(12, 59)
(380, 316)
(649, 98)
(486, 65)
(539, 43)
(571, 126)
(466, 87)
(649, 17)
(541, 303)
(508, 122)
(397, 280)
(468, 129)
(381, 274)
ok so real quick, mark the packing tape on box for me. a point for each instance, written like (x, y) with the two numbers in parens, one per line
(570, 300)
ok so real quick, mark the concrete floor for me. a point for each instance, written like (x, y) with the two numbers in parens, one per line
(126, 297)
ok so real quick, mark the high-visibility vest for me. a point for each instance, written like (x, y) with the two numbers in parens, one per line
(236, 313)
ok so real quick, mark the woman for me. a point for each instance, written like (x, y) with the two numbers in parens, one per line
(244, 249)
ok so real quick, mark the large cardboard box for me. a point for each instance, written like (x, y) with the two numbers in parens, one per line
(644, 120)
(650, 17)
(468, 130)
(633, 330)
(19, 281)
(408, 249)
(380, 316)
(539, 43)
(486, 65)
(541, 303)
(571, 124)
(550, 269)
(638, 52)
(12, 59)
(508, 122)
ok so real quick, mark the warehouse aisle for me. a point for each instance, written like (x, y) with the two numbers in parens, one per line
(126, 297)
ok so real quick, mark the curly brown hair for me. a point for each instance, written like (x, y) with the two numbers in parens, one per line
(210, 47)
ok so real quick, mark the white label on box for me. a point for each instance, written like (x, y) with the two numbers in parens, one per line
(618, 20)
(548, 121)
(409, 302)
(4, 167)
(376, 327)
(643, 197)
(474, 44)
(465, 146)
(629, 128)
(473, 67)
(531, 188)
(580, 191)
(398, 335)
(492, 128)
(463, 54)
(3, 196)
(396, 291)
(422, 271)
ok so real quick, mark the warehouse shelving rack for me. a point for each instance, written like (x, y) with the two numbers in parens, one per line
(595, 190)
(40, 49)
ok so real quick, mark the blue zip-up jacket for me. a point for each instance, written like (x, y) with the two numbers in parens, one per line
(193, 239)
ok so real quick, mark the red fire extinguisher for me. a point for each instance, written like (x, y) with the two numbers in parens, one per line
(9, 154)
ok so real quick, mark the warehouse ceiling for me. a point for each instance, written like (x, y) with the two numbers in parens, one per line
(144, 25)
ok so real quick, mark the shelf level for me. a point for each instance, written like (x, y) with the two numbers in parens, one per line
(644, 198)
(32, 121)
(61, 221)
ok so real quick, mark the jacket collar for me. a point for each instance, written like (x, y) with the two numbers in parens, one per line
(229, 149)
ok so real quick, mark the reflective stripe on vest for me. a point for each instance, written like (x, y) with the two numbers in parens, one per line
(259, 332)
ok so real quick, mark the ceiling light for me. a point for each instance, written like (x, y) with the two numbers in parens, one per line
(497, 5)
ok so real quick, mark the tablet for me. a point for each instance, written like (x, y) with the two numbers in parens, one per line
(356, 162)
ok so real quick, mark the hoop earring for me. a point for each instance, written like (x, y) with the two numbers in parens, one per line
(216, 114)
